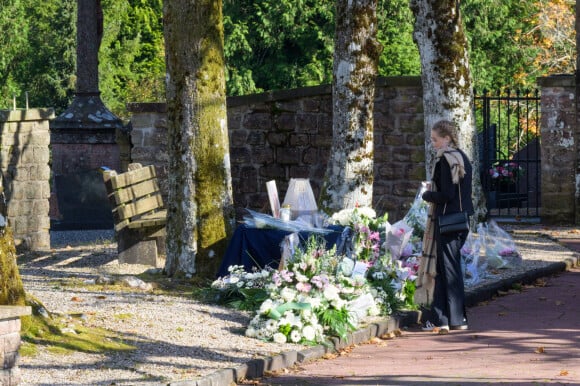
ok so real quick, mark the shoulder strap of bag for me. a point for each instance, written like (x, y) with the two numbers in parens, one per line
(460, 206)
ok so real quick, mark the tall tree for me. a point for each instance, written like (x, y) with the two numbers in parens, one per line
(13, 38)
(349, 176)
(200, 205)
(446, 80)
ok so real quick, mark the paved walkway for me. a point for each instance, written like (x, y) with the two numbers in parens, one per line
(530, 337)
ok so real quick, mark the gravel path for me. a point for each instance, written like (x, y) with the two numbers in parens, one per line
(176, 338)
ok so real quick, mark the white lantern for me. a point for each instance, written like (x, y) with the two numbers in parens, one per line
(300, 198)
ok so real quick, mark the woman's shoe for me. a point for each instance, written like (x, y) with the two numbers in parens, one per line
(460, 327)
(441, 330)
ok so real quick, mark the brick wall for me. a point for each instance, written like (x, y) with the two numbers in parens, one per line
(288, 134)
(25, 169)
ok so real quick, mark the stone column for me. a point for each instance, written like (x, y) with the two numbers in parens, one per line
(560, 189)
(24, 156)
(84, 136)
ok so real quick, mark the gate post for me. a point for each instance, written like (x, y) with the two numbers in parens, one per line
(559, 134)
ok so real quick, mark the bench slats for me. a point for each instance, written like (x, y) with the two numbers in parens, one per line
(136, 192)
(140, 207)
(133, 177)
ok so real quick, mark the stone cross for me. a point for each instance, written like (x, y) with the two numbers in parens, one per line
(89, 35)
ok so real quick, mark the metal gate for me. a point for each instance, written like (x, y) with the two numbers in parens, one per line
(508, 126)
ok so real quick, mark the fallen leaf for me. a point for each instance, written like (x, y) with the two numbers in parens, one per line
(539, 350)
(330, 356)
(559, 303)
(563, 373)
(388, 335)
(101, 297)
(541, 282)
(76, 299)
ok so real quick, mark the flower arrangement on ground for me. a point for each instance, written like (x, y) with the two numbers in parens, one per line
(506, 172)
(318, 294)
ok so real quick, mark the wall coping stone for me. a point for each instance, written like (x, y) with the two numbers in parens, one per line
(11, 312)
(279, 95)
(561, 80)
(20, 115)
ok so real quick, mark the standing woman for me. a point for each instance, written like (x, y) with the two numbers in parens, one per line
(450, 192)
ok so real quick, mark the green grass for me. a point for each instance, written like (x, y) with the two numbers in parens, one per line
(53, 334)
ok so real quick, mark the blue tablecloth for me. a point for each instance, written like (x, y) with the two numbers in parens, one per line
(261, 247)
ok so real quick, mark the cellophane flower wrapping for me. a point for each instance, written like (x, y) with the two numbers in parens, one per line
(397, 241)
(500, 248)
(416, 217)
(474, 267)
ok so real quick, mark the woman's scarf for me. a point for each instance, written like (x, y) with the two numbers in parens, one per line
(425, 283)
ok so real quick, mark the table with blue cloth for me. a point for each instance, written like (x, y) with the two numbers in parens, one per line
(261, 247)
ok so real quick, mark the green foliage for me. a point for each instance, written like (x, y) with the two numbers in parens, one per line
(338, 322)
(248, 299)
(400, 55)
(501, 51)
(269, 44)
(277, 44)
(131, 56)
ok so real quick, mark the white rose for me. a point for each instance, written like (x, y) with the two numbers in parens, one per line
(251, 332)
(279, 338)
(331, 293)
(308, 332)
(288, 294)
(266, 306)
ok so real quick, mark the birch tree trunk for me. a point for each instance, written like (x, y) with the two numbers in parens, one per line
(446, 80)
(200, 208)
(349, 177)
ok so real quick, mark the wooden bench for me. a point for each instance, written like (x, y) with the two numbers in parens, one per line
(139, 214)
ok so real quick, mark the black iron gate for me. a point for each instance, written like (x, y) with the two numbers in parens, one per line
(508, 126)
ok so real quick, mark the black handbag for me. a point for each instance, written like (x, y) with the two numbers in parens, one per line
(453, 222)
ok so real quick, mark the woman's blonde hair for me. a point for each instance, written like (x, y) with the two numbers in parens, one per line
(446, 128)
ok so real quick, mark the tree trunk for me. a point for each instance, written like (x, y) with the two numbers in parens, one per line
(446, 79)
(349, 177)
(200, 208)
(11, 288)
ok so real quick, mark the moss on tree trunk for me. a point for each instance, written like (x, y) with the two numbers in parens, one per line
(11, 288)
(200, 204)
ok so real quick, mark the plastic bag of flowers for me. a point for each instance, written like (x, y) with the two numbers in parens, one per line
(398, 236)
(474, 267)
(416, 217)
(500, 248)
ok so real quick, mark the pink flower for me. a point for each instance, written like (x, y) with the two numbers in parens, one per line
(303, 287)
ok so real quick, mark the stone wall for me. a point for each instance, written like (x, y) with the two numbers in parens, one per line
(10, 343)
(24, 161)
(288, 134)
(559, 142)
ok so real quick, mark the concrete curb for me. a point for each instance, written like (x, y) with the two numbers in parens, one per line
(256, 368)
